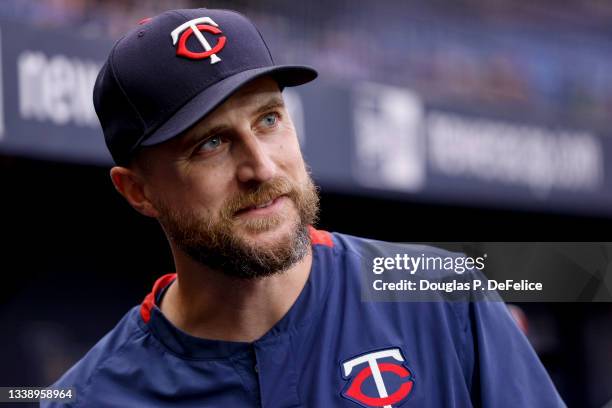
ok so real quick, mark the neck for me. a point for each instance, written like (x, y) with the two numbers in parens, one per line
(208, 304)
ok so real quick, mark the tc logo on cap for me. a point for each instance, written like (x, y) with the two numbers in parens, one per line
(195, 27)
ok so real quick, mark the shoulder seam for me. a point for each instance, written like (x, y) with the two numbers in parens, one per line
(465, 322)
(103, 364)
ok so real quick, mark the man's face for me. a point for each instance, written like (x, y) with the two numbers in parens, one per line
(233, 192)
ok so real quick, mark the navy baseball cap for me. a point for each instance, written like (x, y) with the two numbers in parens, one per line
(173, 69)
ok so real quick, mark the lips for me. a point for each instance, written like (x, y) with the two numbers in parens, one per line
(258, 206)
(264, 205)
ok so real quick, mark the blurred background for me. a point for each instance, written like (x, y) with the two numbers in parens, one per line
(439, 120)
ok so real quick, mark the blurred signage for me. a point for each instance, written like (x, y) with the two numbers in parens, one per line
(536, 158)
(47, 79)
(56, 88)
(357, 137)
(389, 139)
(398, 142)
(385, 140)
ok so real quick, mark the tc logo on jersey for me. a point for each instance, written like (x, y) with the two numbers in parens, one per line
(195, 27)
(377, 379)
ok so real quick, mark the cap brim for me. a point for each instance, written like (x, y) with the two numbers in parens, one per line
(213, 96)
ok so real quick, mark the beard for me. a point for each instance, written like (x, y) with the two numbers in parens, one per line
(213, 241)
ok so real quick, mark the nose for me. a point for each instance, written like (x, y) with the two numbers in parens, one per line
(255, 163)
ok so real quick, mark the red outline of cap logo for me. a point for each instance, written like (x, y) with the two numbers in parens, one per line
(353, 390)
(194, 27)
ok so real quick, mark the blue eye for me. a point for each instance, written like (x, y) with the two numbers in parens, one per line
(270, 119)
(211, 144)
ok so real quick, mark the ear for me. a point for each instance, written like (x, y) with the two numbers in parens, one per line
(132, 187)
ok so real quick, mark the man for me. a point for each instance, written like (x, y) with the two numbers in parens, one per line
(264, 310)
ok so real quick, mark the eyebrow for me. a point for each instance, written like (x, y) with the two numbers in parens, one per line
(208, 133)
(274, 102)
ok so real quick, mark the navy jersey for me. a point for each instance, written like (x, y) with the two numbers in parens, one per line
(330, 350)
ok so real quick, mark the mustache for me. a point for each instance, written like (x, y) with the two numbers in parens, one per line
(264, 193)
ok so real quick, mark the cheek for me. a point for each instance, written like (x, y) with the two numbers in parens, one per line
(289, 151)
(290, 158)
(206, 194)
(194, 189)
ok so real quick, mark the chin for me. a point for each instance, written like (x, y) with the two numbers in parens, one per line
(268, 232)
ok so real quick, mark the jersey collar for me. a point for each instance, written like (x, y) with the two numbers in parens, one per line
(305, 308)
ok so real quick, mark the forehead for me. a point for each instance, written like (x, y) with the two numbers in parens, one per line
(243, 103)
(248, 95)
